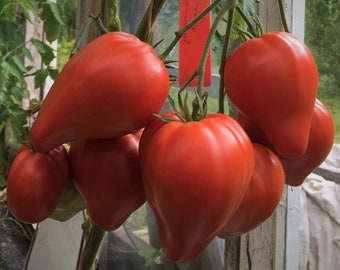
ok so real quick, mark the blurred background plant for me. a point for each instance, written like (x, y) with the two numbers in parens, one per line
(322, 35)
(14, 70)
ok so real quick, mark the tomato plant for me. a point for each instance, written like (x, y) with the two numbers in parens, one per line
(106, 173)
(36, 182)
(273, 80)
(200, 173)
(195, 175)
(98, 92)
(262, 196)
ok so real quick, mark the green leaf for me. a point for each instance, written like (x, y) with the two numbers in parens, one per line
(45, 51)
(19, 63)
(18, 121)
(17, 92)
(40, 77)
(9, 31)
(56, 12)
(249, 7)
(29, 68)
(2, 182)
(53, 73)
(52, 20)
(15, 100)
(2, 123)
(69, 204)
(12, 69)
(27, 53)
(27, 6)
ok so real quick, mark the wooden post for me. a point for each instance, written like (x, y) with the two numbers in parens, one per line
(33, 30)
(84, 10)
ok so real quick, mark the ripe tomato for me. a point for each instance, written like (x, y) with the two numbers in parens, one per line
(321, 139)
(106, 173)
(36, 182)
(154, 125)
(195, 175)
(273, 80)
(108, 89)
(263, 194)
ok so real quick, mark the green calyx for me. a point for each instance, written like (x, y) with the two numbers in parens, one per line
(196, 112)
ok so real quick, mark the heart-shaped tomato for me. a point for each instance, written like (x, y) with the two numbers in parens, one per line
(106, 173)
(273, 80)
(195, 175)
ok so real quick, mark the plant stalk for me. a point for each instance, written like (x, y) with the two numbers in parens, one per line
(223, 58)
(181, 32)
(283, 16)
(88, 258)
(114, 20)
(144, 28)
(200, 69)
(249, 24)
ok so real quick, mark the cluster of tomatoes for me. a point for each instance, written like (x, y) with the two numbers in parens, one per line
(218, 176)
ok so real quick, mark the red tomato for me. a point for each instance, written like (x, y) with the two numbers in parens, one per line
(263, 194)
(106, 173)
(155, 124)
(108, 89)
(321, 139)
(195, 175)
(36, 182)
(273, 80)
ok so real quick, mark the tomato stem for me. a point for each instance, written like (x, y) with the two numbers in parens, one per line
(173, 106)
(97, 21)
(200, 69)
(114, 20)
(283, 16)
(80, 36)
(145, 25)
(199, 106)
(179, 33)
(224, 52)
(244, 35)
(249, 24)
(92, 247)
(252, 31)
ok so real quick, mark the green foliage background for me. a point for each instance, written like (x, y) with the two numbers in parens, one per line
(14, 71)
(322, 36)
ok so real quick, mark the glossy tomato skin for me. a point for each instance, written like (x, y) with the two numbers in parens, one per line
(108, 89)
(106, 172)
(273, 80)
(195, 175)
(262, 196)
(321, 139)
(152, 127)
(36, 182)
